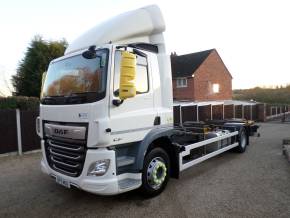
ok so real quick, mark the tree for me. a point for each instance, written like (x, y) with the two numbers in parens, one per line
(276, 95)
(27, 81)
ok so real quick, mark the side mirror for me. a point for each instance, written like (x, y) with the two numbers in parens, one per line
(128, 65)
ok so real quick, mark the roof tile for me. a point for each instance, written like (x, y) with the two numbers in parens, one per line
(186, 65)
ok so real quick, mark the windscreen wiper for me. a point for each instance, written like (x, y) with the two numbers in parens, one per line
(74, 99)
(48, 100)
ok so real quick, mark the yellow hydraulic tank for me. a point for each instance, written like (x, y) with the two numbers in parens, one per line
(127, 75)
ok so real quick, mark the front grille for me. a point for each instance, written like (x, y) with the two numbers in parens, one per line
(66, 157)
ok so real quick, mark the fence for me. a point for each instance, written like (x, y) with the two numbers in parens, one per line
(216, 111)
(17, 131)
(273, 111)
(18, 134)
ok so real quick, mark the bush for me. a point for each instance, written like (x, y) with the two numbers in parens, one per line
(21, 102)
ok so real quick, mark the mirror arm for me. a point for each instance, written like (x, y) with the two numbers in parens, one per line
(117, 102)
(140, 53)
(135, 50)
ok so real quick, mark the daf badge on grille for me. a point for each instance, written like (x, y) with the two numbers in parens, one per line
(60, 131)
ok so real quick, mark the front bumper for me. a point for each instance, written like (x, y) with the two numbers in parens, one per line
(108, 184)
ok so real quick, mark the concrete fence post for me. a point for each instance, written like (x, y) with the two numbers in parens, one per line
(234, 111)
(243, 113)
(197, 115)
(210, 111)
(18, 123)
(265, 112)
(180, 115)
(223, 111)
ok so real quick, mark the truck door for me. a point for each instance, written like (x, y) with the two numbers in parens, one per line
(134, 118)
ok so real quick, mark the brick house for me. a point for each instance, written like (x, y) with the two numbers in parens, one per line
(200, 76)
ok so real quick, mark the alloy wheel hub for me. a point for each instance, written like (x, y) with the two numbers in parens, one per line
(156, 172)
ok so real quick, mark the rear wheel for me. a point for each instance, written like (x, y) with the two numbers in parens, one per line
(155, 173)
(242, 141)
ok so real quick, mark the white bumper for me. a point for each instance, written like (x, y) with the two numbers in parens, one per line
(108, 184)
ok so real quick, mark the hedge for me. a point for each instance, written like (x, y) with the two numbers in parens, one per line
(21, 102)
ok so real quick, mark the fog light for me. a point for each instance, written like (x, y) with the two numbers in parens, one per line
(99, 167)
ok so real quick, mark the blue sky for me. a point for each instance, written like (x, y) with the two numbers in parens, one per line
(252, 37)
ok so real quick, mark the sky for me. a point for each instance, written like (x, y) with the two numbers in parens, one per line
(251, 36)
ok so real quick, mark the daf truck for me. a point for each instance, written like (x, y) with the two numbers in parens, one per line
(106, 114)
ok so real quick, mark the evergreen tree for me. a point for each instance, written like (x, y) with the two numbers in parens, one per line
(27, 81)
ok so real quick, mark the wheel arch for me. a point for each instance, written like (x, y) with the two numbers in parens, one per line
(160, 138)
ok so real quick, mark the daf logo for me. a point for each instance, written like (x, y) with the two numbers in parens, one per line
(60, 131)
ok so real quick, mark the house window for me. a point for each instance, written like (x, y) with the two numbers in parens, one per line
(181, 82)
(216, 88)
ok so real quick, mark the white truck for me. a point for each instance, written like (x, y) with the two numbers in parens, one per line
(106, 113)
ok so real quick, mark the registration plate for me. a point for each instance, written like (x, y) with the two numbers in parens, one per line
(62, 182)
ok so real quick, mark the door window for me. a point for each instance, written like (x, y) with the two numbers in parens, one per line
(142, 80)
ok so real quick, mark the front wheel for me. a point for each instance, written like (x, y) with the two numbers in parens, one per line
(155, 173)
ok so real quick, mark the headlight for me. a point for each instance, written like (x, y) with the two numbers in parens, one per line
(99, 167)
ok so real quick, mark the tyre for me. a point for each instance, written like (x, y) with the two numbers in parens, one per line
(242, 141)
(155, 174)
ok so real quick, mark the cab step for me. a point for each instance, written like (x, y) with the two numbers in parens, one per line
(125, 161)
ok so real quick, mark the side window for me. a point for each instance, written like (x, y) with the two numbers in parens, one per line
(142, 80)
(117, 73)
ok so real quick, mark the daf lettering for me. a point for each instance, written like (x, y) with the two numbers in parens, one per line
(60, 131)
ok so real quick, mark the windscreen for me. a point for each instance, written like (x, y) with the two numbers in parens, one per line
(76, 79)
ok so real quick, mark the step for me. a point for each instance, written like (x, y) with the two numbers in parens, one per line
(129, 183)
(125, 161)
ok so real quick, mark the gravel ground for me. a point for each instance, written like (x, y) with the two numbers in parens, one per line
(253, 184)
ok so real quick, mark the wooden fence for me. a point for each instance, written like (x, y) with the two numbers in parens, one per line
(201, 112)
(17, 128)
(17, 131)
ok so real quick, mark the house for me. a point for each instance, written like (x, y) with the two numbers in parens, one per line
(200, 76)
